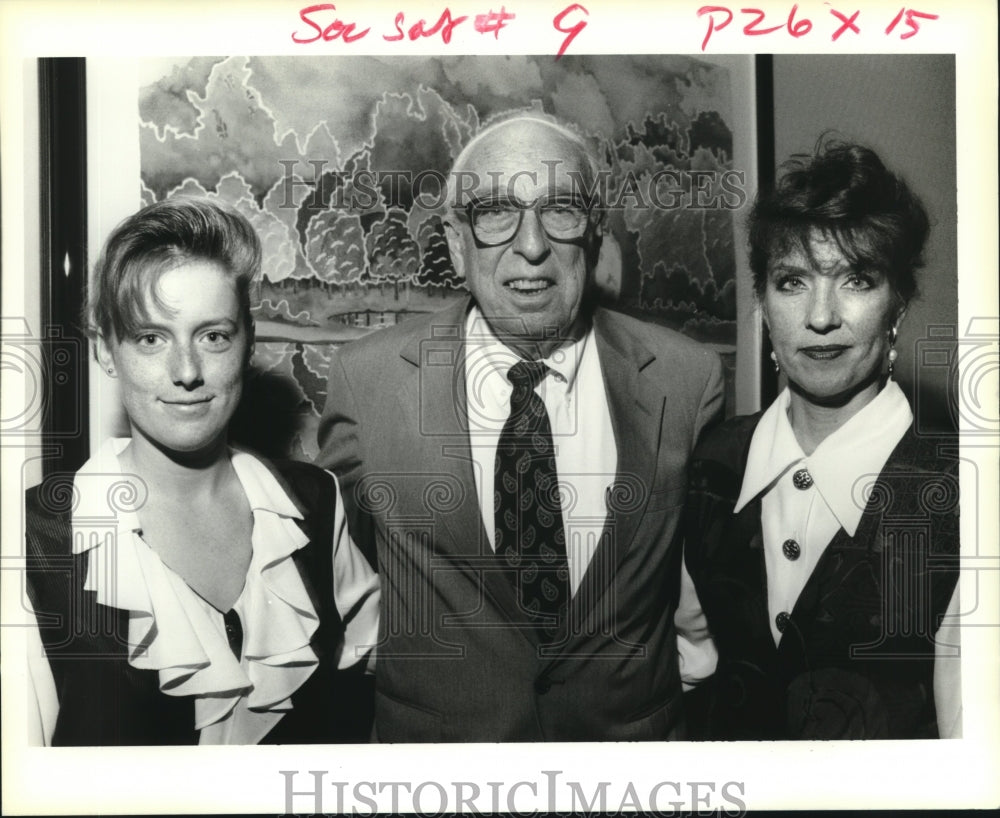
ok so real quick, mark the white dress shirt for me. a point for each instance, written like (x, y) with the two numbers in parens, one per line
(842, 470)
(582, 435)
(177, 633)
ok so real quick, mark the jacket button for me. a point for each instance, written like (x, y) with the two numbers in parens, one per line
(802, 479)
(782, 620)
(791, 549)
(543, 684)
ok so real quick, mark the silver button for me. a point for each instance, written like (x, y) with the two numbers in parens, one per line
(791, 549)
(782, 620)
(802, 479)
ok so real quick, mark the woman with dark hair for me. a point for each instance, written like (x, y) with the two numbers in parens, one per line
(822, 534)
(186, 592)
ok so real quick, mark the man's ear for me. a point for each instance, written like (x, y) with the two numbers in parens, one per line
(456, 248)
(592, 248)
(252, 346)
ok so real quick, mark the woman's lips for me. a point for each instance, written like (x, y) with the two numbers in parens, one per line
(187, 407)
(825, 352)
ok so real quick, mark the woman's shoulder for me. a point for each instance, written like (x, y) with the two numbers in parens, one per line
(925, 452)
(309, 487)
(297, 469)
(48, 514)
(727, 442)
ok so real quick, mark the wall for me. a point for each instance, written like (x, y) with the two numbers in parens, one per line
(22, 372)
(903, 107)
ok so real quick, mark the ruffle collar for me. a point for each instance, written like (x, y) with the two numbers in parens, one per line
(174, 631)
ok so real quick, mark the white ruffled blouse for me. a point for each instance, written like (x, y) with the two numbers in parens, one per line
(175, 632)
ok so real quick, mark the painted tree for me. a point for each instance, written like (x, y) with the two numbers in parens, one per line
(393, 255)
(435, 261)
(335, 247)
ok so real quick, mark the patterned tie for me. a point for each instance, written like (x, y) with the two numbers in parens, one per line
(529, 535)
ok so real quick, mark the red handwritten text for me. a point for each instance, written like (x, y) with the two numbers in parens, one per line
(336, 29)
(445, 24)
(847, 23)
(719, 17)
(912, 20)
(494, 21)
(572, 31)
(797, 28)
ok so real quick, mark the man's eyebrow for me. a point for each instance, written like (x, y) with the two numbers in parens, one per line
(559, 196)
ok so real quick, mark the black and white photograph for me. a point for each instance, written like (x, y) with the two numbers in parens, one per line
(467, 409)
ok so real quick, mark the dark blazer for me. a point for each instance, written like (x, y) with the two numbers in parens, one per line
(104, 701)
(857, 658)
(455, 661)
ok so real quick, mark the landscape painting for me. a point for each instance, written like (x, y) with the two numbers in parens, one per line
(339, 163)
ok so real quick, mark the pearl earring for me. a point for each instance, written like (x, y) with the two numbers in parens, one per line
(774, 357)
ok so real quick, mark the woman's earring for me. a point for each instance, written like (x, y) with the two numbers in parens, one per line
(111, 370)
(892, 351)
(774, 357)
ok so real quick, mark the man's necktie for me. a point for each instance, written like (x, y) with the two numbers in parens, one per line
(529, 535)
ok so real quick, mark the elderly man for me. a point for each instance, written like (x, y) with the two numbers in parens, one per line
(518, 462)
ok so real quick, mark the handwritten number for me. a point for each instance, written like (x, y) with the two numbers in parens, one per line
(571, 32)
(915, 26)
(801, 28)
(911, 21)
(750, 28)
(895, 21)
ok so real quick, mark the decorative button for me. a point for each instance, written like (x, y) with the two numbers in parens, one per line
(234, 632)
(791, 549)
(782, 620)
(802, 479)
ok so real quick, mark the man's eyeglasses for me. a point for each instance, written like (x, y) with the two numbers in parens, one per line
(497, 222)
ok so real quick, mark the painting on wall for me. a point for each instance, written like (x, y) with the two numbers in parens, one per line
(339, 163)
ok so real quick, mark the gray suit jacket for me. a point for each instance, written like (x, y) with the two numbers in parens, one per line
(456, 661)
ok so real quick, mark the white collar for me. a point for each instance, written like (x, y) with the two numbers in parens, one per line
(483, 345)
(856, 450)
(171, 629)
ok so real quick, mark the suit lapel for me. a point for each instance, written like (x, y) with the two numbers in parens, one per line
(434, 401)
(636, 408)
(435, 397)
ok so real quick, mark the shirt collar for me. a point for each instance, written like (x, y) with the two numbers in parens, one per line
(483, 344)
(104, 494)
(263, 491)
(839, 464)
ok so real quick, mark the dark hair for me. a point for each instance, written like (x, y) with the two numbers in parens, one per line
(847, 194)
(157, 239)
